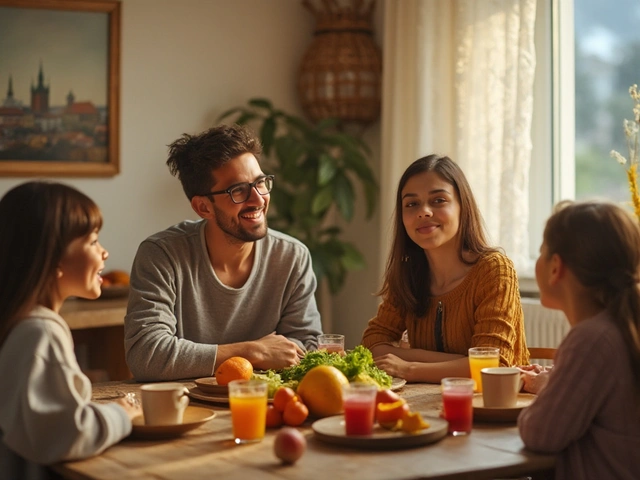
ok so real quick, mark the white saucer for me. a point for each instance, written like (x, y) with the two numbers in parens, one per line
(193, 418)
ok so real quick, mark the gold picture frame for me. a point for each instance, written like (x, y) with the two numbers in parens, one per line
(47, 136)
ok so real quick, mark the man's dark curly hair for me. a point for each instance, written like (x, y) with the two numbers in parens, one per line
(193, 158)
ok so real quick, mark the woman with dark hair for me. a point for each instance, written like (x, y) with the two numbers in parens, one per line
(588, 405)
(443, 283)
(49, 251)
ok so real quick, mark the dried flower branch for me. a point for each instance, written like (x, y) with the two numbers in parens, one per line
(631, 129)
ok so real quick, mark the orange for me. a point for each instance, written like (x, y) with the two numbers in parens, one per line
(282, 396)
(388, 414)
(412, 422)
(321, 390)
(233, 368)
(295, 413)
(274, 417)
(116, 277)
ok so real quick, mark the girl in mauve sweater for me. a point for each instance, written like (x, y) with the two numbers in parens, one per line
(588, 405)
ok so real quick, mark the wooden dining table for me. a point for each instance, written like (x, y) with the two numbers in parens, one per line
(492, 450)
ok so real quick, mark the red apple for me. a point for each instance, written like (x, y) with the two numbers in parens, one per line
(289, 445)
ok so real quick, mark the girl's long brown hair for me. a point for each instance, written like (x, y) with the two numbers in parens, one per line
(407, 275)
(600, 243)
(38, 220)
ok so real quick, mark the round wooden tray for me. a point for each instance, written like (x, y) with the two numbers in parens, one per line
(332, 430)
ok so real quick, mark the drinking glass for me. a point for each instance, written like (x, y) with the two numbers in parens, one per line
(359, 401)
(248, 404)
(332, 343)
(457, 401)
(482, 357)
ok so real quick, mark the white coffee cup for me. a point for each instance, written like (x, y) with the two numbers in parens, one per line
(164, 403)
(500, 386)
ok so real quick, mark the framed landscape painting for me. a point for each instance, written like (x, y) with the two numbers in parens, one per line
(59, 87)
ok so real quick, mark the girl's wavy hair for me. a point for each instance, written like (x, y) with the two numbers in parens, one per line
(600, 243)
(39, 220)
(407, 274)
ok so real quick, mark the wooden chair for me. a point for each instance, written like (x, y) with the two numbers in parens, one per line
(542, 353)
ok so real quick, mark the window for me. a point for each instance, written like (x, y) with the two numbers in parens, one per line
(588, 54)
(607, 62)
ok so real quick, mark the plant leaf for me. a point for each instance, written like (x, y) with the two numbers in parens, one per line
(245, 118)
(267, 134)
(352, 259)
(261, 103)
(322, 201)
(343, 195)
(332, 231)
(327, 169)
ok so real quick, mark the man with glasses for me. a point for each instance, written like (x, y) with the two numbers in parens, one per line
(223, 286)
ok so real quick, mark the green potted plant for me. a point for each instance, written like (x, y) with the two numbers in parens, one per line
(315, 168)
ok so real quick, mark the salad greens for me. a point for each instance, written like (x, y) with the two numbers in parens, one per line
(357, 365)
(274, 381)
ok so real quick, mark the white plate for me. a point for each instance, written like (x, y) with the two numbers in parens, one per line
(397, 383)
(332, 430)
(193, 418)
(500, 414)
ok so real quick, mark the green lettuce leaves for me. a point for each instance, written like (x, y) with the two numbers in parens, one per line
(357, 365)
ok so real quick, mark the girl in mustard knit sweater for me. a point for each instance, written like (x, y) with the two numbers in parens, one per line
(443, 283)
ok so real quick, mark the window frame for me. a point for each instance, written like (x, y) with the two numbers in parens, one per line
(552, 171)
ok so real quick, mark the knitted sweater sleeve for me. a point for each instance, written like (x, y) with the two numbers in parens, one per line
(385, 328)
(499, 320)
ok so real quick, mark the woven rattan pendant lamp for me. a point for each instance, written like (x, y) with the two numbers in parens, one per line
(341, 72)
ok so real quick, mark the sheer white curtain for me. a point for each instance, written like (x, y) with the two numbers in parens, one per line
(458, 80)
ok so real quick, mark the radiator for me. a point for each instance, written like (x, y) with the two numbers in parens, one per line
(543, 326)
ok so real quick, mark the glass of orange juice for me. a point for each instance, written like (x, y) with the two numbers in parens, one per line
(248, 403)
(482, 357)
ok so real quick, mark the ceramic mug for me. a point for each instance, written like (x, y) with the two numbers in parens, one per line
(164, 403)
(500, 386)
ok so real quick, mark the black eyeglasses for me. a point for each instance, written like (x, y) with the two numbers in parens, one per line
(240, 192)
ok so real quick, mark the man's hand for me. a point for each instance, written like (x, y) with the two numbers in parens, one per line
(275, 352)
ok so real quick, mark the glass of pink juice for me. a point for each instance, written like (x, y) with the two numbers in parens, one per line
(359, 402)
(457, 397)
(331, 342)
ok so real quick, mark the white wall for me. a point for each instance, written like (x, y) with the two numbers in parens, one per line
(183, 63)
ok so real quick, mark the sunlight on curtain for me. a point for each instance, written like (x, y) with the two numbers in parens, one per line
(417, 98)
(495, 68)
(458, 80)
